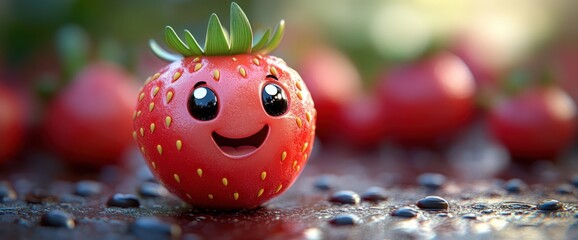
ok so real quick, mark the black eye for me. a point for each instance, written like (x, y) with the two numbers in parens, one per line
(203, 104)
(274, 100)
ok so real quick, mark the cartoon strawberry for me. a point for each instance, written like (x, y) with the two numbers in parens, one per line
(229, 126)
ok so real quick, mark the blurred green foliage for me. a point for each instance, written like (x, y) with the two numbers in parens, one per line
(28, 26)
(375, 34)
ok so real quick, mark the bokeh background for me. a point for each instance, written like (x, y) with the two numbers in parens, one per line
(345, 51)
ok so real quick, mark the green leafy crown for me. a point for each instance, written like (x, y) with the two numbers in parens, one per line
(217, 41)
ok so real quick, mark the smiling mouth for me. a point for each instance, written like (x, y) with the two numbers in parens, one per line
(238, 147)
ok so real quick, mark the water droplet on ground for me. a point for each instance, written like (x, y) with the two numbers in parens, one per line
(324, 182)
(433, 203)
(374, 194)
(87, 188)
(345, 220)
(7, 192)
(480, 206)
(123, 201)
(154, 228)
(405, 212)
(550, 205)
(57, 218)
(515, 186)
(564, 189)
(152, 190)
(487, 211)
(345, 197)
(432, 181)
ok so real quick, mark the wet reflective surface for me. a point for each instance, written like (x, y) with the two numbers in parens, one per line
(354, 196)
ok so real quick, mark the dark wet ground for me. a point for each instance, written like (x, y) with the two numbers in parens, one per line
(340, 195)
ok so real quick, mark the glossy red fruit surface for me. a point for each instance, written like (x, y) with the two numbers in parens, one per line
(427, 99)
(215, 131)
(538, 123)
(12, 124)
(89, 122)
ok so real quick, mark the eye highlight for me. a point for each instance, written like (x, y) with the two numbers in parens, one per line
(274, 100)
(203, 104)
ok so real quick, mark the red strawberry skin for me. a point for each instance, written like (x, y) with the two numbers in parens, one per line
(182, 152)
(12, 124)
(89, 122)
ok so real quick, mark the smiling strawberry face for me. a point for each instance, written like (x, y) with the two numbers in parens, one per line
(226, 131)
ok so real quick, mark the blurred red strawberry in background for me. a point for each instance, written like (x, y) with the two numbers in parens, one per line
(339, 53)
(333, 82)
(12, 123)
(89, 120)
(535, 124)
(360, 123)
(427, 100)
(478, 60)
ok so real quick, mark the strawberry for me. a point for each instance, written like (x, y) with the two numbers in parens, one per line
(11, 124)
(229, 126)
(89, 122)
(361, 123)
(537, 123)
(427, 100)
(334, 83)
